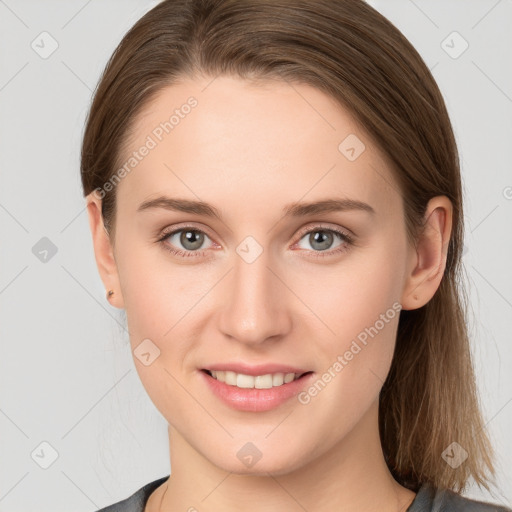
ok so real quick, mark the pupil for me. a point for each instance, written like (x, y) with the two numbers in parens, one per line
(321, 237)
(192, 238)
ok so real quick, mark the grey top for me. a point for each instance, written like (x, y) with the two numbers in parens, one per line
(428, 499)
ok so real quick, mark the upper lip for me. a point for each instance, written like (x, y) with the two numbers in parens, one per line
(254, 370)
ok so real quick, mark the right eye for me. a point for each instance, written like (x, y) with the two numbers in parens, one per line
(190, 240)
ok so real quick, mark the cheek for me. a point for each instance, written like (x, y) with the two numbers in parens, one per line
(352, 295)
(163, 303)
(154, 289)
(359, 302)
(159, 299)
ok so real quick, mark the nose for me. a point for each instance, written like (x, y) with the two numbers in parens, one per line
(255, 303)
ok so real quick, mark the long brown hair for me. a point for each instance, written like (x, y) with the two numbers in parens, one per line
(349, 51)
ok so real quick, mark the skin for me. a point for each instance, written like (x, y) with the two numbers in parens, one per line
(249, 149)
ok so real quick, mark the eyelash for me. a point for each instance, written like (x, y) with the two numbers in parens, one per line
(347, 240)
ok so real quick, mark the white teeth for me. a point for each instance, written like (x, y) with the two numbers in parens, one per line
(244, 381)
(229, 378)
(263, 381)
(266, 381)
(277, 379)
(288, 377)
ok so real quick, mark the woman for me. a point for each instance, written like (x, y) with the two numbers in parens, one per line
(274, 197)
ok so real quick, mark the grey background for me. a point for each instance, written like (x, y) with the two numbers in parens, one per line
(67, 376)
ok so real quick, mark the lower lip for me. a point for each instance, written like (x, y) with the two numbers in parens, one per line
(252, 399)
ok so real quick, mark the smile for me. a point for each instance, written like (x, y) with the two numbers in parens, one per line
(241, 380)
(259, 392)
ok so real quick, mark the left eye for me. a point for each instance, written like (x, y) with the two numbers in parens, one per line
(322, 239)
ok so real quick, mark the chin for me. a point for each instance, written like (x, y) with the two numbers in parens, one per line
(249, 461)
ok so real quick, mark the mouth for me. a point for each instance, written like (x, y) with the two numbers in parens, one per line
(265, 381)
(255, 387)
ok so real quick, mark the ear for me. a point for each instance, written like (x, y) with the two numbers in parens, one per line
(428, 257)
(103, 251)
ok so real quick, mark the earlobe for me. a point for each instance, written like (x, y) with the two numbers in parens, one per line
(428, 258)
(103, 252)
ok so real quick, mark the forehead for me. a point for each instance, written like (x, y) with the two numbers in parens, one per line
(252, 142)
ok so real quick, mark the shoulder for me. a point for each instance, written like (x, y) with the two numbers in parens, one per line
(137, 501)
(430, 499)
(450, 500)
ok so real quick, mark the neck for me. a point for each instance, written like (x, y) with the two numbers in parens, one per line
(351, 476)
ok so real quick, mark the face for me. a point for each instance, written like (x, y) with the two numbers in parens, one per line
(266, 287)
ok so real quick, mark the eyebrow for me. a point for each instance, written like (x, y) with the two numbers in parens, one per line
(290, 210)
